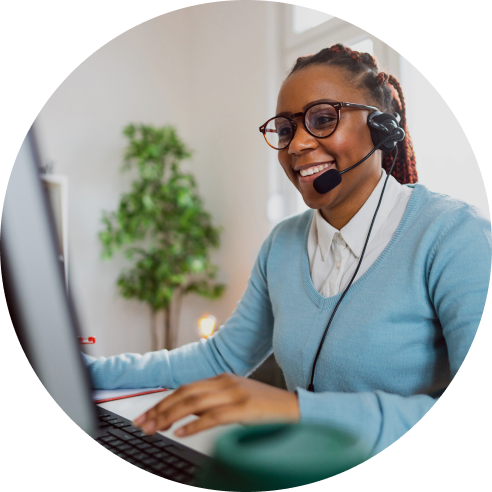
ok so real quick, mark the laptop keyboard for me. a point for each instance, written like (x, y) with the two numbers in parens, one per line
(155, 454)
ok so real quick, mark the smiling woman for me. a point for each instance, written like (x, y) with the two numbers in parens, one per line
(396, 253)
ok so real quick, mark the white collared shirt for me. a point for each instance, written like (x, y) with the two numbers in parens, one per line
(334, 254)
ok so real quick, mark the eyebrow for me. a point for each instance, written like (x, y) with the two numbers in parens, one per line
(326, 100)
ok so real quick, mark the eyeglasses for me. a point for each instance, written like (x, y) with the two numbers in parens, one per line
(320, 120)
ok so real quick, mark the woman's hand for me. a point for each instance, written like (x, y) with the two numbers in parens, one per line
(224, 399)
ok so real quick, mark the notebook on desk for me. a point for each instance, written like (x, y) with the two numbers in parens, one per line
(46, 324)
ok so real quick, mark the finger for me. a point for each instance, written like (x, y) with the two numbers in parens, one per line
(168, 400)
(215, 383)
(194, 404)
(227, 414)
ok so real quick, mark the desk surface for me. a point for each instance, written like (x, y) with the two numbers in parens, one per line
(131, 408)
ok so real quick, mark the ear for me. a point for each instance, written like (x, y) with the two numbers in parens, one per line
(382, 125)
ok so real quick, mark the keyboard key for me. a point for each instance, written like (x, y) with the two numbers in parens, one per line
(179, 477)
(130, 428)
(132, 451)
(111, 421)
(140, 456)
(180, 464)
(123, 447)
(153, 450)
(154, 439)
(159, 466)
(107, 438)
(149, 461)
(143, 445)
(159, 444)
(139, 434)
(131, 460)
(190, 469)
(167, 472)
(160, 455)
(106, 417)
(120, 434)
(119, 425)
(169, 459)
(134, 441)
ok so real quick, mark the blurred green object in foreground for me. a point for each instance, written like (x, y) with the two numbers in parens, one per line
(273, 457)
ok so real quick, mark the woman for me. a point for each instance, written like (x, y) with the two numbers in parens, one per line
(406, 322)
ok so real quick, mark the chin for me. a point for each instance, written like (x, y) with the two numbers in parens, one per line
(317, 201)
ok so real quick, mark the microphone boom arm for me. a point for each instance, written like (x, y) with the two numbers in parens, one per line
(380, 144)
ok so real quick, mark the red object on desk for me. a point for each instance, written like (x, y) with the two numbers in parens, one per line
(130, 396)
(87, 341)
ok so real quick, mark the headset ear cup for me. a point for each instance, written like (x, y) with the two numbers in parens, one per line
(381, 126)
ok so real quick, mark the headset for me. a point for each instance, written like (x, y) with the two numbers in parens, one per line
(385, 134)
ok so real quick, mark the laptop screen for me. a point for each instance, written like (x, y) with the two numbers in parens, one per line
(37, 297)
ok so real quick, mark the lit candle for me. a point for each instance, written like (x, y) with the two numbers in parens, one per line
(207, 325)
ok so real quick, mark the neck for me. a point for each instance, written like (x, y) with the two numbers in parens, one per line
(340, 215)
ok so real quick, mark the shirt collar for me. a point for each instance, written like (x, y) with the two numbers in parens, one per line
(355, 232)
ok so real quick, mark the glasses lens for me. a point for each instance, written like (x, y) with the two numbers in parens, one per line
(322, 120)
(278, 132)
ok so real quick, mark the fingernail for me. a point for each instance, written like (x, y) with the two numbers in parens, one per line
(180, 432)
(149, 427)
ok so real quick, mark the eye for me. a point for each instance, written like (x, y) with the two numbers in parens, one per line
(321, 119)
(284, 131)
(324, 119)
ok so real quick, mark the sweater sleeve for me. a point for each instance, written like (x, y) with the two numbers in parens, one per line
(240, 346)
(458, 277)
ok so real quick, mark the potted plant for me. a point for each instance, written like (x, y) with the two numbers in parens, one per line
(162, 229)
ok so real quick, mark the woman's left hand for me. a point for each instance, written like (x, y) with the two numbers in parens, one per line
(224, 399)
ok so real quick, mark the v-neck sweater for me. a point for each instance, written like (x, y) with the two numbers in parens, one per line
(399, 336)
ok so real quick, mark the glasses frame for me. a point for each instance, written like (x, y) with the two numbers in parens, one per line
(337, 105)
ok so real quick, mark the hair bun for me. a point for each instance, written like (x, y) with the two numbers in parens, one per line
(355, 55)
(382, 78)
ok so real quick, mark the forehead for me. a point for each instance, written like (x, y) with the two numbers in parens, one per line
(317, 82)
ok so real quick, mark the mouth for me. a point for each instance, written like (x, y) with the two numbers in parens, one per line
(307, 175)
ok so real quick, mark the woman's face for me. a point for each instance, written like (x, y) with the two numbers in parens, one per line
(349, 144)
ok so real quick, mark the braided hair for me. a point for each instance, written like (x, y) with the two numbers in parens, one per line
(383, 90)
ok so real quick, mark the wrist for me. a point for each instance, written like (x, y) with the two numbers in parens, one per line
(293, 407)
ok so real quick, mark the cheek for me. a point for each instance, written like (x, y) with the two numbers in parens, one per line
(340, 143)
(346, 146)
(285, 161)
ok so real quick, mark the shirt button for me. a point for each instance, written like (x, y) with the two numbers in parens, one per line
(338, 264)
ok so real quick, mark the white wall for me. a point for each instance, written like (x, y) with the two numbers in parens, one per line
(198, 68)
(445, 160)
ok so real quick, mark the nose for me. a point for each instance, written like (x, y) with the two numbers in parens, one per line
(302, 139)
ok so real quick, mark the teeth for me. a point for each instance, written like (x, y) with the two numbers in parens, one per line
(313, 170)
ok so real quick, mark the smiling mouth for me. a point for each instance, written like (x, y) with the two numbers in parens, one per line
(315, 169)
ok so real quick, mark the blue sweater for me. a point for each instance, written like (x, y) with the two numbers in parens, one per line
(398, 338)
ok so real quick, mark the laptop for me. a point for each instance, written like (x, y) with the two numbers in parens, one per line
(46, 324)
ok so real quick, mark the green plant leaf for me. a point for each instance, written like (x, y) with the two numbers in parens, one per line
(160, 225)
